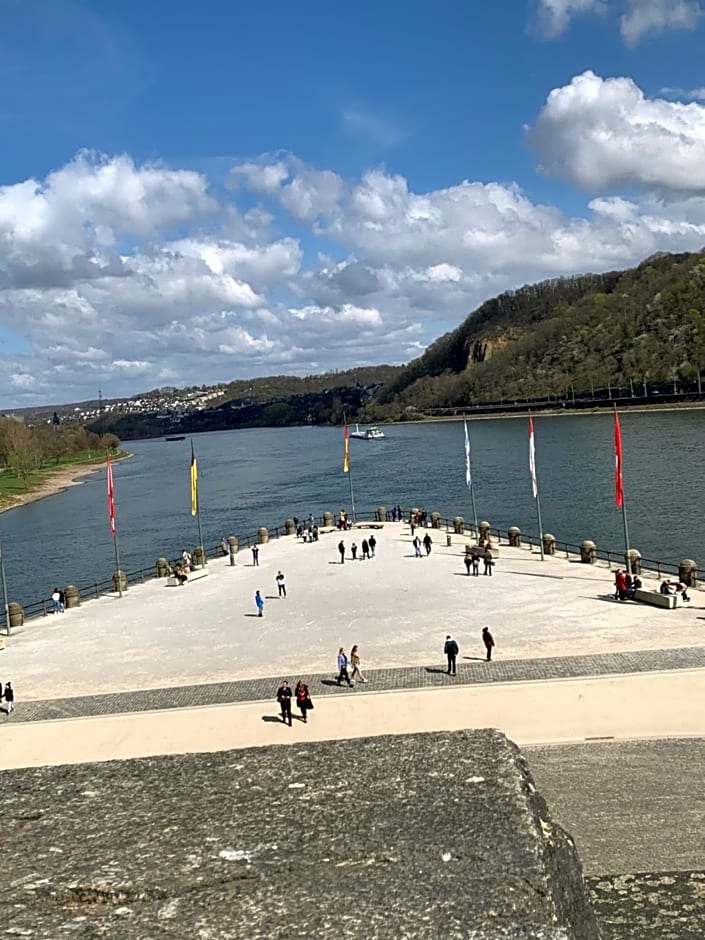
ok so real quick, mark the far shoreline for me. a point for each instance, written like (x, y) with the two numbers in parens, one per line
(58, 481)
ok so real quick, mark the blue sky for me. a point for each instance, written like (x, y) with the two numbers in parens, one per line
(201, 192)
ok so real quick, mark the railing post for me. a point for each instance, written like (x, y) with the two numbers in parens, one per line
(97, 591)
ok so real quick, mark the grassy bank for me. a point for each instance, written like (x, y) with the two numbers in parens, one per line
(15, 489)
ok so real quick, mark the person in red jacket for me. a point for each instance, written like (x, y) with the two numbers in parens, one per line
(620, 583)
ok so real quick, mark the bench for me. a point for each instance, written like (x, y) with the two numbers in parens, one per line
(669, 601)
(480, 552)
(173, 581)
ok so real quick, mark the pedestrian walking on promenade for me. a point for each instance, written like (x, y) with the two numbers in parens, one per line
(343, 663)
(372, 542)
(303, 699)
(468, 562)
(255, 555)
(353, 551)
(365, 549)
(259, 601)
(427, 542)
(341, 549)
(475, 559)
(9, 696)
(488, 640)
(355, 662)
(281, 584)
(451, 650)
(417, 546)
(284, 699)
(489, 562)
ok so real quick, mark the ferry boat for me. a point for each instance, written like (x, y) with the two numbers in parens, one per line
(372, 433)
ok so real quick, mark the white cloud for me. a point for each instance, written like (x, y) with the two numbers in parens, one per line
(168, 285)
(555, 15)
(603, 133)
(644, 17)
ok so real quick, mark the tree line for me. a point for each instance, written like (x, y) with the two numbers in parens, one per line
(24, 449)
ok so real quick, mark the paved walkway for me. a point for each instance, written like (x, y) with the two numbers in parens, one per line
(379, 680)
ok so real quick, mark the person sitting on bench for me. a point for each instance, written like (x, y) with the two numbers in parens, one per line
(667, 587)
(180, 575)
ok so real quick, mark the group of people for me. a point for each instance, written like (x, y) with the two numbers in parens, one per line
(303, 700)
(344, 522)
(472, 558)
(349, 667)
(668, 587)
(8, 694)
(451, 650)
(626, 585)
(417, 519)
(427, 542)
(368, 549)
(280, 581)
(59, 599)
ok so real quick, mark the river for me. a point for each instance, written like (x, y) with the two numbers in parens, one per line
(249, 478)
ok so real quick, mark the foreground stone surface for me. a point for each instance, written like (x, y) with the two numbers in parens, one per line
(650, 906)
(415, 836)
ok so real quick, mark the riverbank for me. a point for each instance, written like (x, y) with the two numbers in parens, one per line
(557, 412)
(56, 481)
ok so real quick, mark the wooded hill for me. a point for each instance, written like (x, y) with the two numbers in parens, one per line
(637, 327)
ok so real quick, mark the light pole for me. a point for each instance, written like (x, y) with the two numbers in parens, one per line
(4, 590)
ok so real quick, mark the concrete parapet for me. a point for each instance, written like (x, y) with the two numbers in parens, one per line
(484, 529)
(435, 520)
(549, 543)
(688, 572)
(119, 581)
(458, 525)
(514, 536)
(16, 612)
(381, 514)
(498, 867)
(634, 560)
(73, 596)
(588, 552)
(327, 520)
(262, 535)
(162, 566)
(290, 527)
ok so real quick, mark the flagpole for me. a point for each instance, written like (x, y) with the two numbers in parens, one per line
(196, 505)
(113, 526)
(346, 466)
(619, 481)
(468, 479)
(534, 481)
(4, 591)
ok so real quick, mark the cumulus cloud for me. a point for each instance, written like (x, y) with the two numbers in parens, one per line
(125, 276)
(644, 17)
(603, 133)
(555, 15)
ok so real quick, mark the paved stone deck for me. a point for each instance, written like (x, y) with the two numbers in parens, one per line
(379, 680)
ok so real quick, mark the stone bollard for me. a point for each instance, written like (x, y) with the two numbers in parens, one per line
(234, 545)
(549, 544)
(162, 568)
(327, 520)
(262, 535)
(73, 596)
(485, 530)
(382, 514)
(199, 556)
(514, 535)
(588, 552)
(688, 572)
(290, 527)
(634, 560)
(16, 612)
(458, 525)
(435, 520)
(119, 581)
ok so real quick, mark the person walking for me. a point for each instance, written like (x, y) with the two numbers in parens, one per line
(9, 696)
(281, 584)
(468, 562)
(372, 542)
(259, 601)
(284, 699)
(488, 640)
(475, 559)
(355, 662)
(341, 549)
(451, 650)
(303, 699)
(365, 549)
(489, 562)
(343, 663)
(353, 551)
(427, 542)
(56, 597)
(417, 546)
(255, 556)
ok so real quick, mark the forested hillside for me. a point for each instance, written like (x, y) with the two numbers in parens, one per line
(644, 325)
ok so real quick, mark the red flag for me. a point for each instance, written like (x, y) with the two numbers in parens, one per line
(618, 481)
(111, 495)
(532, 458)
(346, 452)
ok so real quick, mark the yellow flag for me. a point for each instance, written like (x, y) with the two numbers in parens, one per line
(346, 453)
(194, 483)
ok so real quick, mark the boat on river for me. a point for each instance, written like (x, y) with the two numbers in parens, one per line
(178, 437)
(372, 433)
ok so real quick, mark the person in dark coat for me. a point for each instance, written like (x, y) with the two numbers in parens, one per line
(468, 562)
(373, 545)
(343, 663)
(489, 562)
(303, 699)
(284, 699)
(475, 560)
(488, 640)
(450, 648)
(9, 696)
(427, 542)
(365, 549)
(341, 549)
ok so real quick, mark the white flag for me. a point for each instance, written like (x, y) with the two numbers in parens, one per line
(532, 458)
(468, 475)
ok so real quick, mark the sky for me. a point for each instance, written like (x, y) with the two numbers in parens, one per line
(193, 193)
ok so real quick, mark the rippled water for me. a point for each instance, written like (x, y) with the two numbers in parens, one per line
(262, 476)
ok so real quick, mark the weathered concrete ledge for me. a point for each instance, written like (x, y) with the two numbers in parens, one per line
(423, 836)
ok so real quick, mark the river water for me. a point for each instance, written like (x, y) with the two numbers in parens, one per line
(249, 478)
